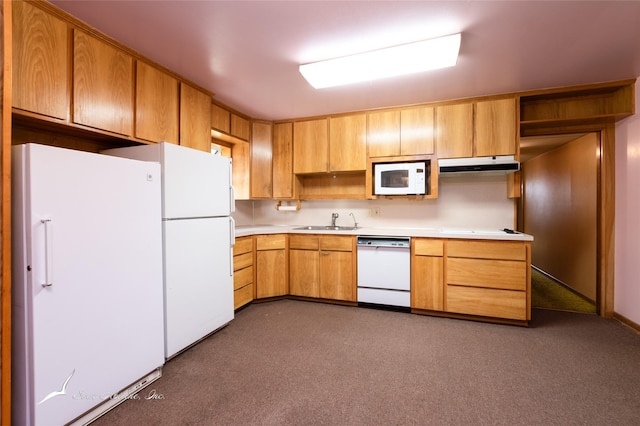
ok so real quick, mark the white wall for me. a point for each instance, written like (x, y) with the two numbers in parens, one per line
(466, 201)
(627, 233)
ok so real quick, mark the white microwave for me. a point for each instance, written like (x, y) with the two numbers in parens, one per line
(400, 178)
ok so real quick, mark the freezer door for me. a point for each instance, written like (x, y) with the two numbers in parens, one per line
(87, 287)
(198, 280)
(196, 183)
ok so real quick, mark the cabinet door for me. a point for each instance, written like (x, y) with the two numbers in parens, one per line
(303, 273)
(495, 127)
(348, 143)
(417, 131)
(383, 134)
(283, 161)
(195, 118)
(454, 135)
(220, 119)
(310, 146)
(337, 275)
(239, 127)
(102, 85)
(271, 273)
(40, 62)
(427, 284)
(241, 154)
(156, 105)
(261, 165)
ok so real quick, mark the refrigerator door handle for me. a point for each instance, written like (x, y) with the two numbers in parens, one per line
(232, 199)
(48, 252)
(232, 239)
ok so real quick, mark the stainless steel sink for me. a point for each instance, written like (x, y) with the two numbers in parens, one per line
(326, 228)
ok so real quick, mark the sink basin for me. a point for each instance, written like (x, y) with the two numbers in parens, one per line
(326, 228)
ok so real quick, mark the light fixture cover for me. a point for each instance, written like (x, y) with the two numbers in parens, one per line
(404, 59)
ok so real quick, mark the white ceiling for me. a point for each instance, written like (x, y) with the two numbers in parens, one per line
(248, 52)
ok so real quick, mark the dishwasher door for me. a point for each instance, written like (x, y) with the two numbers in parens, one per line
(384, 271)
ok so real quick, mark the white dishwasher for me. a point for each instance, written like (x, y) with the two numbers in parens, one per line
(384, 271)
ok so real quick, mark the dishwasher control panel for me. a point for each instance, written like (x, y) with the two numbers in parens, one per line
(382, 241)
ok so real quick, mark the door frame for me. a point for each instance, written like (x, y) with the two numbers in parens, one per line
(605, 244)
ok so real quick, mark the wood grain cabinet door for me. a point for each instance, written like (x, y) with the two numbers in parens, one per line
(383, 133)
(417, 131)
(40, 62)
(454, 136)
(495, 127)
(336, 275)
(261, 160)
(102, 85)
(303, 273)
(283, 161)
(348, 143)
(310, 146)
(195, 118)
(156, 105)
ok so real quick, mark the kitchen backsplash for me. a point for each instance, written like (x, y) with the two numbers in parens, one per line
(477, 201)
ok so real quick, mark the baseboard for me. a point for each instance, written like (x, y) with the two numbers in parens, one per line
(626, 321)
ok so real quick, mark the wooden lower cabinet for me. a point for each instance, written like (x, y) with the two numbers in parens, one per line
(322, 266)
(272, 266)
(427, 271)
(243, 272)
(489, 278)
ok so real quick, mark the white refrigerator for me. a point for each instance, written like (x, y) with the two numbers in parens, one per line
(199, 234)
(87, 282)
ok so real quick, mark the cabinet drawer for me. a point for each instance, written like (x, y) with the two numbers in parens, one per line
(303, 242)
(242, 277)
(428, 247)
(336, 243)
(487, 302)
(271, 242)
(243, 245)
(242, 261)
(242, 296)
(505, 274)
(507, 250)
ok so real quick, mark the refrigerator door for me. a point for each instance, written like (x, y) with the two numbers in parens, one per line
(196, 183)
(198, 280)
(87, 288)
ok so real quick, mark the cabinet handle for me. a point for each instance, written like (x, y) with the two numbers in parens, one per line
(48, 252)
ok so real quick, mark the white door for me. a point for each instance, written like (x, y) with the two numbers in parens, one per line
(198, 279)
(196, 183)
(90, 288)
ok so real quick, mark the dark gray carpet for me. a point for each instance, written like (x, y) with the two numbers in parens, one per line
(303, 363)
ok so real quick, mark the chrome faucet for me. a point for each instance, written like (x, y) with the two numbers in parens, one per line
(355, 224)
(334, 216)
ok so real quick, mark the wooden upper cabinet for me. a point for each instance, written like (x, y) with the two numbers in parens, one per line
(195, 118)
(348, 143)
(495, 127)
(417, 129)
(383, 133)
(40, 62)
(102, 85)
(261, 164)
(454, 124)
(283, 161)
(310, 146)
(220, 119)
(156, 105)
(240, 127)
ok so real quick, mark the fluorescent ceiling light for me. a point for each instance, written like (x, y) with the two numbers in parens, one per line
(409, 58)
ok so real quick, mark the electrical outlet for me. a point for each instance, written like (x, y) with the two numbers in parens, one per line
(375, 211)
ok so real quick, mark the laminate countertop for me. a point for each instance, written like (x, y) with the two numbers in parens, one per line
(444, 232)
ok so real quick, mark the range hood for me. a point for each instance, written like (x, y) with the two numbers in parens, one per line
(496, 164)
